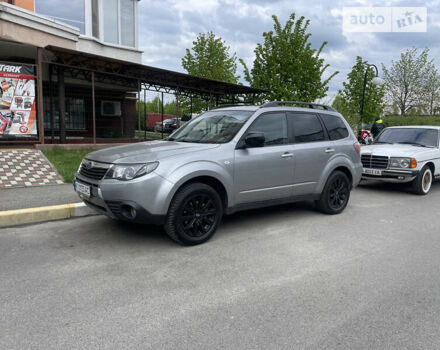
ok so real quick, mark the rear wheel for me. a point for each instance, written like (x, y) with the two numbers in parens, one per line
(194, 215)
(336, 193)
(423, 182)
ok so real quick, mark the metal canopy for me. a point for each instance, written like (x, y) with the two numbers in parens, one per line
(151, 78)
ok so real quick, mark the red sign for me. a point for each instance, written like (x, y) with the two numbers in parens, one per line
(17, 101)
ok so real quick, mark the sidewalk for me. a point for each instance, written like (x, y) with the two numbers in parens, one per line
(38, 196)
(29, 205)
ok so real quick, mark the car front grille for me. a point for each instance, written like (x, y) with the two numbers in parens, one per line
(375, 162)
(95, 173)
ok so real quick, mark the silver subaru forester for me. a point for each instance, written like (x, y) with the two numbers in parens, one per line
(226, 160)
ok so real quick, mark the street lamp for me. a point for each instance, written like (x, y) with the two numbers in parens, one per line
(376, 81)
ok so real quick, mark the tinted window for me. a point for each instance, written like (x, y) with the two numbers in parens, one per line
(306, 127)
(273, 126)
(335, 127)
(416, 136)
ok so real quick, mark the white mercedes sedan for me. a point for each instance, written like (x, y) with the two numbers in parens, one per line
(404, 154)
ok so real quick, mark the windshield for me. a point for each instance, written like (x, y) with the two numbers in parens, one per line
(212, 127)
(416, 136)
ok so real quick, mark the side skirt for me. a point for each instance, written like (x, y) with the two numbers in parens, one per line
(271, 202)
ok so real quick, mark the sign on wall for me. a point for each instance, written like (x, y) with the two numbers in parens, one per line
(17, 101)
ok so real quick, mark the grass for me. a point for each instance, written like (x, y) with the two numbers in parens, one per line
(150, 135)
(66, 161)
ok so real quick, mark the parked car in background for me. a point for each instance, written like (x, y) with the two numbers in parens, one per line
(168, 125)
(408, 154)
(153, 118)
(226, 160)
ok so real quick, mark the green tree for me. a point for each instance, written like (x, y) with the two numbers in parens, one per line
(351, 94)
(405, 79)
(210, 58)
(287, 66)
(431, 89)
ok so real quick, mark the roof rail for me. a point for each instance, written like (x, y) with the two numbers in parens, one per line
(232, 105)
(301, 104)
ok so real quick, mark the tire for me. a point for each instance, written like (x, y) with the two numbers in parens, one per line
(335, 195)
(194, 214)
(423, 182)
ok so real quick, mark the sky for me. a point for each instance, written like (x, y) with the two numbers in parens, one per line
(168, 27)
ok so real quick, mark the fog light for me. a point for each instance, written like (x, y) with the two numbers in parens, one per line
(128, 212)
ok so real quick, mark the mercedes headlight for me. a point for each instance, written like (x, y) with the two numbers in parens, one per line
(126, 172)
(400, 163)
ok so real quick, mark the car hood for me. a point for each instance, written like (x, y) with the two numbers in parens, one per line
(146, 151)
(395, 150)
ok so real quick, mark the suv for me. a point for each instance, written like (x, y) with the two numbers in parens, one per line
(226, 160)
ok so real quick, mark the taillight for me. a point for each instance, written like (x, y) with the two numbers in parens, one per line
(174, 125)
(357, 147)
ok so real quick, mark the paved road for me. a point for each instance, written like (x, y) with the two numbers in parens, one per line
(279, 278)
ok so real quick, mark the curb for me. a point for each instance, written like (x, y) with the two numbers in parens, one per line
(17, 217)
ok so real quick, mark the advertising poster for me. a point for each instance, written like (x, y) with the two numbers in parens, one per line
(17, 101)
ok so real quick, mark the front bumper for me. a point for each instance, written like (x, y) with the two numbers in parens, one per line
(397, 176)
(128, 201)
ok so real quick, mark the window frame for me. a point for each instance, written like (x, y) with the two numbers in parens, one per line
(291, 129)
(323, 115)
(240, 142)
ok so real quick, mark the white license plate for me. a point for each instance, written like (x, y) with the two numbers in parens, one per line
(372, 172)
(82, 189)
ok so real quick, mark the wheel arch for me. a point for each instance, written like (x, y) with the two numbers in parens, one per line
(211, 181)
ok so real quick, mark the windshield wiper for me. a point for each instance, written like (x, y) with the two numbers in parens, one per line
(414, 144)
(388, 143)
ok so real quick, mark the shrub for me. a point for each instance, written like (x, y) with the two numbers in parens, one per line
(398, 120)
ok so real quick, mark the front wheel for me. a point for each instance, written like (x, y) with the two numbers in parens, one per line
(423, 182)
(334, 198)
(194, 215)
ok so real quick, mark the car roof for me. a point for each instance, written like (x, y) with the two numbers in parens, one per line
(415, 127)
(252, 108)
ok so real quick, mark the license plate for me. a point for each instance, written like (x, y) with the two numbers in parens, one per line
(372, 172)
(82, 189)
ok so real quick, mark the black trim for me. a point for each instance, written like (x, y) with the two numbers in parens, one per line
(272, 202)
(142, 216)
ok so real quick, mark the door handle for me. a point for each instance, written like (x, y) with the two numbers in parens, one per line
(287, 155)
(329, 150)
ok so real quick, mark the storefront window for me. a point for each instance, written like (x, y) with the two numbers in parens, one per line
(71, 12)
(75, 113)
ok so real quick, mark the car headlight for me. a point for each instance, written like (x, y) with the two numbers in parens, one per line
(126, 172)
(400, 162)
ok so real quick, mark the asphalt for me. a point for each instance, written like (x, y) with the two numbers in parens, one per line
(38, 196)
(277, 278)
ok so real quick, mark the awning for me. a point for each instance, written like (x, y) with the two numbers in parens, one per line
(150, 78)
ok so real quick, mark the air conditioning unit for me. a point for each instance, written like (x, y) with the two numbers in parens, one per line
(110, 108)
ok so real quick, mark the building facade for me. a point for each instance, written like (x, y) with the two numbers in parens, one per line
(80, 59)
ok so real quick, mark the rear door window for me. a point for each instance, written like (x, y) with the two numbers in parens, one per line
(306, 127)
(335, 127)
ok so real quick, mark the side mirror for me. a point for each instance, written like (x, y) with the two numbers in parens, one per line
(254, 139)
(186, 117)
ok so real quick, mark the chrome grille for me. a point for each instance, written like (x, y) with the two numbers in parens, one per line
(375, 162)
(92, 170)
